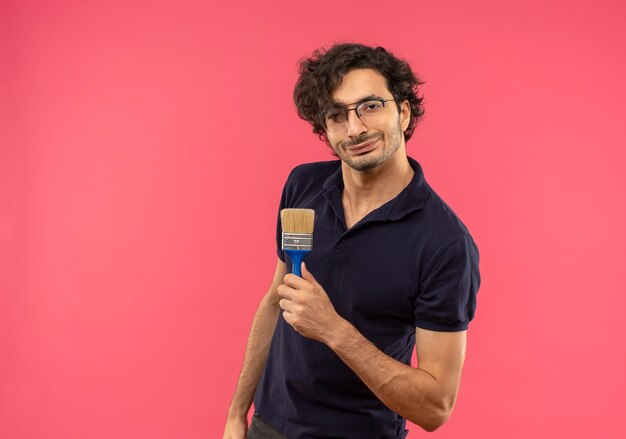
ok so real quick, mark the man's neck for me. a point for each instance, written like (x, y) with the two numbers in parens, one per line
(367, 190)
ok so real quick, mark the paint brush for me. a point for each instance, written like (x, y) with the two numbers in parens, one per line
(297, 227)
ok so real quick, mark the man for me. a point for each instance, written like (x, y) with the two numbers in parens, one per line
(392, 267)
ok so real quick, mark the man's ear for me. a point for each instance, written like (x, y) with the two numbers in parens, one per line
(405, 115)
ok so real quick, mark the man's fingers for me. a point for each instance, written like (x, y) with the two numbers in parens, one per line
(295, 281)
(285, 304)
(287, 317)
(285, 291)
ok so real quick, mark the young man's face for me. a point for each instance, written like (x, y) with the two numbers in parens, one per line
(360, 146)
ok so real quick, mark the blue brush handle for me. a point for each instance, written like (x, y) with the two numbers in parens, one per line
(296, 260)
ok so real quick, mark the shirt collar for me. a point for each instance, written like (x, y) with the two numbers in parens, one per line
(413, 196)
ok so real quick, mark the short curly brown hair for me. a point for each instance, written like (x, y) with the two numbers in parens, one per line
(321, 74)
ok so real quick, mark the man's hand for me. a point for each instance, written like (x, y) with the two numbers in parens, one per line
(236, 427)
(306, 306)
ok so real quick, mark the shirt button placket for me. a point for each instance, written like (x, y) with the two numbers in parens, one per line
(340, 242)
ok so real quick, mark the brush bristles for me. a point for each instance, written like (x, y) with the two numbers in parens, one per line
(297, 220)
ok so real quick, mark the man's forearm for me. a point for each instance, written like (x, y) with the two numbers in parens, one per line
(412, 393)
(257, 350)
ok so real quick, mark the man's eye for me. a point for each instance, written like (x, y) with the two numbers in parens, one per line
(371, 106)
(336, 117)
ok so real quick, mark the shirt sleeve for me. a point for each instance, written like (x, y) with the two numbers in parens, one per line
(279, 229)
(289, 198)
(447, 296)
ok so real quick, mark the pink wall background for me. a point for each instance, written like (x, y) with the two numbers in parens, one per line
(144, 144)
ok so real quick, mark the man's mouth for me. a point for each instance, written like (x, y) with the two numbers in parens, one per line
(365, 146)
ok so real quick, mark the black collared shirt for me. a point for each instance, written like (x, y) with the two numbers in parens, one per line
(411, 262)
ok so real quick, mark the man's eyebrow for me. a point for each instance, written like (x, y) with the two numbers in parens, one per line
(363, 99)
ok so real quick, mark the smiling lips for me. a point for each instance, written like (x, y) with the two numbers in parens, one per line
(364, 146)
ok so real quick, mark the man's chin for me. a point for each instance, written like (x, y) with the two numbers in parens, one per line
(364, 164)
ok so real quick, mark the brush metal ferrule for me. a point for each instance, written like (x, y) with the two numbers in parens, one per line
(297, 241)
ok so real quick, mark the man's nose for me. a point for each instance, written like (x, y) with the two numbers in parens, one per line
(355, 125)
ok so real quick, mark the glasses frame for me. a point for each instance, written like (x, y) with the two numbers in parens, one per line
(357, 104)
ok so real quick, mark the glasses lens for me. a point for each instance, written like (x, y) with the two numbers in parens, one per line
(335, 119)
(369, 111)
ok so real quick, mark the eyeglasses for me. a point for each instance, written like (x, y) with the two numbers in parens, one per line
(370, 111)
